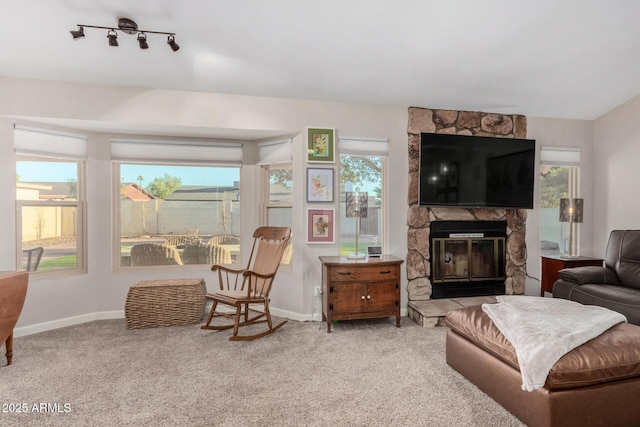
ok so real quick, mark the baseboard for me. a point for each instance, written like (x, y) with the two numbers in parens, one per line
(68, 321)
(291, 315)
(119, 314)
(316, 316)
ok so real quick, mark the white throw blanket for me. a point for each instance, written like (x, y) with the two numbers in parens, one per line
(542, 330)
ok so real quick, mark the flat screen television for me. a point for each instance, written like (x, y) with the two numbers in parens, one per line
(476, 171)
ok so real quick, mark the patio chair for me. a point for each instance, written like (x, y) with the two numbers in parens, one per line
(183, 240)
(209, 254)
(224, 239)
(250, 286)
(154, 254)
(33, 257)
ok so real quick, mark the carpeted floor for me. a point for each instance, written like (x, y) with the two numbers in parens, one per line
(365, 373)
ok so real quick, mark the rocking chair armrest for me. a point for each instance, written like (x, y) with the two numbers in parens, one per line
(262, 276)
(227, 269)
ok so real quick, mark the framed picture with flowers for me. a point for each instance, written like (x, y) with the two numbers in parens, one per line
(319, 185)
(320, 145)
(320, 225)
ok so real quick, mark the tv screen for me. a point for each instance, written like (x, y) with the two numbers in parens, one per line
(476, 171)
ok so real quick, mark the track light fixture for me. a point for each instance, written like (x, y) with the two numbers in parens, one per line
(142, 41)
(127, 26)
(171, 41)
(113, 38)
(78, 33)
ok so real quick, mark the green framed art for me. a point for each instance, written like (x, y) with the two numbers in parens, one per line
(320, 145)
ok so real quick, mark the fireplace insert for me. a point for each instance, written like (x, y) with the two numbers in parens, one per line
(467, 258)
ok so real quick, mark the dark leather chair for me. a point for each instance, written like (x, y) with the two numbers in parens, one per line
(615, 286)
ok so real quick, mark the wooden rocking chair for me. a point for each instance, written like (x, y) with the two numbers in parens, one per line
(249, 286)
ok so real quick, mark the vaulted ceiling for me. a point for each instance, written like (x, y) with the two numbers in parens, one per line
(548, 58)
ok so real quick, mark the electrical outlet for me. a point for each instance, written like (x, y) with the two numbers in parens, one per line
(316, 291)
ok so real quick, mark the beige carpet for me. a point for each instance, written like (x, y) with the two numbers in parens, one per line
(365, 373)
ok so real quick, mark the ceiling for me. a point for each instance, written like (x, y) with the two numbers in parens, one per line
(548, 58)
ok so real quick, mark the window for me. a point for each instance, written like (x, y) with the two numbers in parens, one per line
(178, 215)
(279, 202)
(363, 168)
(278, 210)
(277, 176)
(172, 211)
(49, 200)
(559, 178)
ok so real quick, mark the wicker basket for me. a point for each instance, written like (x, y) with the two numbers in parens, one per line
(168, 302)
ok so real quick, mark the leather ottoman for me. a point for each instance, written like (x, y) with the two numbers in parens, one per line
(596, 384)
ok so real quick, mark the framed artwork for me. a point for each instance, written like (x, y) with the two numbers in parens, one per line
(320, 225)
(320, 145)
(319, 185)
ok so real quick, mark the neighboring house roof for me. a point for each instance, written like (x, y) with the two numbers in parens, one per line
(204, 193)
(33, 186)
(49, 190)
(135, 192)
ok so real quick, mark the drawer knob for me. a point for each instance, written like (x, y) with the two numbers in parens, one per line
(362, 297)
(368, 296)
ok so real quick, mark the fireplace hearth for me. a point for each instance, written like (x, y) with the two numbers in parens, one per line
(468, 258)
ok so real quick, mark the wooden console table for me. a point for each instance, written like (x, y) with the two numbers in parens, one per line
(360, 289)
(552, 264)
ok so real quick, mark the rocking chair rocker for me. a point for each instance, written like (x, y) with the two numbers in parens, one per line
(250, 286)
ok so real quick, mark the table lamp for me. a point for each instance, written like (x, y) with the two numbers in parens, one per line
(571, 211)
(356, 206)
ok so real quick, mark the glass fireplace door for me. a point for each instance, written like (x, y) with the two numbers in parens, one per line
(468, 259)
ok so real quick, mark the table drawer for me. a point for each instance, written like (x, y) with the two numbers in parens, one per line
(378, 272)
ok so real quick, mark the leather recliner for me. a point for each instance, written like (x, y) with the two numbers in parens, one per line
(615, 286)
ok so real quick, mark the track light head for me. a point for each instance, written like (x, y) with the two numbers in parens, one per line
(171, 41)
(79, 33)
(142, 41)
(112, 35)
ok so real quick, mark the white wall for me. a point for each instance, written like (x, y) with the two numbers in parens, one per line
(616, 172)
(560, 133)
(54, 302)
(7, 193)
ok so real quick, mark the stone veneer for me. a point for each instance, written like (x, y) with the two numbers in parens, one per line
(419, 218)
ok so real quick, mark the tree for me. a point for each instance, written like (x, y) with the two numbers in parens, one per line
(359, 170)
(280, 176)
(554, 186)
(162, 187)
(73, 187)
(377, 195)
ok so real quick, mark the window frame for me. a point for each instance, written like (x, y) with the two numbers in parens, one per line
(266, 191)
(569, 157)
(116, 214)
(384, 206)
(80, 218)
(265, 199)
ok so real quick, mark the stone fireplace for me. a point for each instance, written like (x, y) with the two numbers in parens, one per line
(420, 218)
